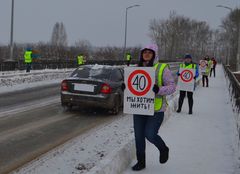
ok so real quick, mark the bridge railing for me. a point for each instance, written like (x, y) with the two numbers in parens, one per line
(234, 88)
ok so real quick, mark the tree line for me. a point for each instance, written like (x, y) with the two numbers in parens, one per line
(175, 36)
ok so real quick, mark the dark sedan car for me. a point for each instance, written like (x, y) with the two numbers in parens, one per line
(94, 86)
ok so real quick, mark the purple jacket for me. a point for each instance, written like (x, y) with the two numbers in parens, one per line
(169, 86)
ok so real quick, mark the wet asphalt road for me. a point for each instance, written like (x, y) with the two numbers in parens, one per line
(27, 134)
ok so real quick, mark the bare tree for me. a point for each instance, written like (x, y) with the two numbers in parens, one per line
(228, 37)
(178, 35)
(59, 35)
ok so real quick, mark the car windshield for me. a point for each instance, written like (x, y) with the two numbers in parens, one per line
(91, 72)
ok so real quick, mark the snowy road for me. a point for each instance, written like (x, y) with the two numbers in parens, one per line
(28, 97)
(27, 134)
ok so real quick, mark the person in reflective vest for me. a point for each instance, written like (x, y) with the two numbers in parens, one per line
(213, 67)
(28, 59)
(80, 60)
(206, 74)
(146, 127)
(129, 58)
(189, 65)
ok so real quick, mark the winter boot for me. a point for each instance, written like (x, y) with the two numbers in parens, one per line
(141, 164)
(178, 110)
(190, 104)
(180, 103)
(164, 155)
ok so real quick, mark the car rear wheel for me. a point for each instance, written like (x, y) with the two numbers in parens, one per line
(115, 109)
(67, 107)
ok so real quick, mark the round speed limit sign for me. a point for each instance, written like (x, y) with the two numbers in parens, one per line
(203, 64)
(186, 75)
(139, 82)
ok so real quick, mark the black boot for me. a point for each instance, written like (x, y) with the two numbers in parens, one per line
(207, 81)
(141, 164)
(180, 103)
(190, 104)
(164, 155)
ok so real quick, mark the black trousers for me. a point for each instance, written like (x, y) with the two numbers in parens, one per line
(181, 99)
(214, 72)
(204, 78)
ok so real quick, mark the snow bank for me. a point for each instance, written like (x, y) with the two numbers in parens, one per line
(19, 80)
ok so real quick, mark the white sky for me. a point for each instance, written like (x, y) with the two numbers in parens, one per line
(100, 21)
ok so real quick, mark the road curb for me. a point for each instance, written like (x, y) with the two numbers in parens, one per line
(117, 161)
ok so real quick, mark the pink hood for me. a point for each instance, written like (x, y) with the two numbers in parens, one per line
(154, 48)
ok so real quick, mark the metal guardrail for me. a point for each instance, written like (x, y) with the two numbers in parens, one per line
(234, 88)
(59, 64)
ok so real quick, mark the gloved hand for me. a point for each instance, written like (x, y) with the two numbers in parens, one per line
(178, 74)
(155, 89)
(123, 86)
(194, 77)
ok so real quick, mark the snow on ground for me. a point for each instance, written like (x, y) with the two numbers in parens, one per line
(18, 80)
(84, 152)
(202, 143)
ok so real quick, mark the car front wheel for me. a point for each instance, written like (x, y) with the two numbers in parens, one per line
(115, 109)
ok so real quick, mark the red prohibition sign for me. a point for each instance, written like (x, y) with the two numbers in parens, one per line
(135, 92)
(186, 79)
(203, 63)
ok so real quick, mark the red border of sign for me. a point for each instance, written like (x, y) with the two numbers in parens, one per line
(190, 74)
(148, 79)
(203, 63)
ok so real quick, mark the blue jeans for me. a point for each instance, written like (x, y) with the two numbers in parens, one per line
(147, 127)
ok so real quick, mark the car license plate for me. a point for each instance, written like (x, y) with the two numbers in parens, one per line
(83, 87)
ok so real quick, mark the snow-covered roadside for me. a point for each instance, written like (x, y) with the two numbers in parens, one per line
(84, 152)
(189, 154)
(202, 143)
(19, 80)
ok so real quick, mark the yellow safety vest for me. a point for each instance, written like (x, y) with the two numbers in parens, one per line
(80, 60)
(128, 57)
(28, 56)
(190, 66)
(159, 67)
(209, 67)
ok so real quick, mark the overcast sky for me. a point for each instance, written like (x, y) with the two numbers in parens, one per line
(100, 21)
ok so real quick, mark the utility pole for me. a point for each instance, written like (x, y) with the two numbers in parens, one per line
(125, 35)
(238, 51)
(9, 64)
(11, 35)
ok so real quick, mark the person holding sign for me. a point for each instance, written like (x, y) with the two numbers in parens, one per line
(186, 67)
(145, 126)
(213, 67)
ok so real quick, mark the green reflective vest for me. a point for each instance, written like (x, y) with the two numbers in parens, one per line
(190, 66)
(80, 60)
(209, 67)
(159, 67)
(128, 57)
(28, 56)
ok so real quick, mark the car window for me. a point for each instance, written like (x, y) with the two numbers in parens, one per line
(100, 73)
(116, 75)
